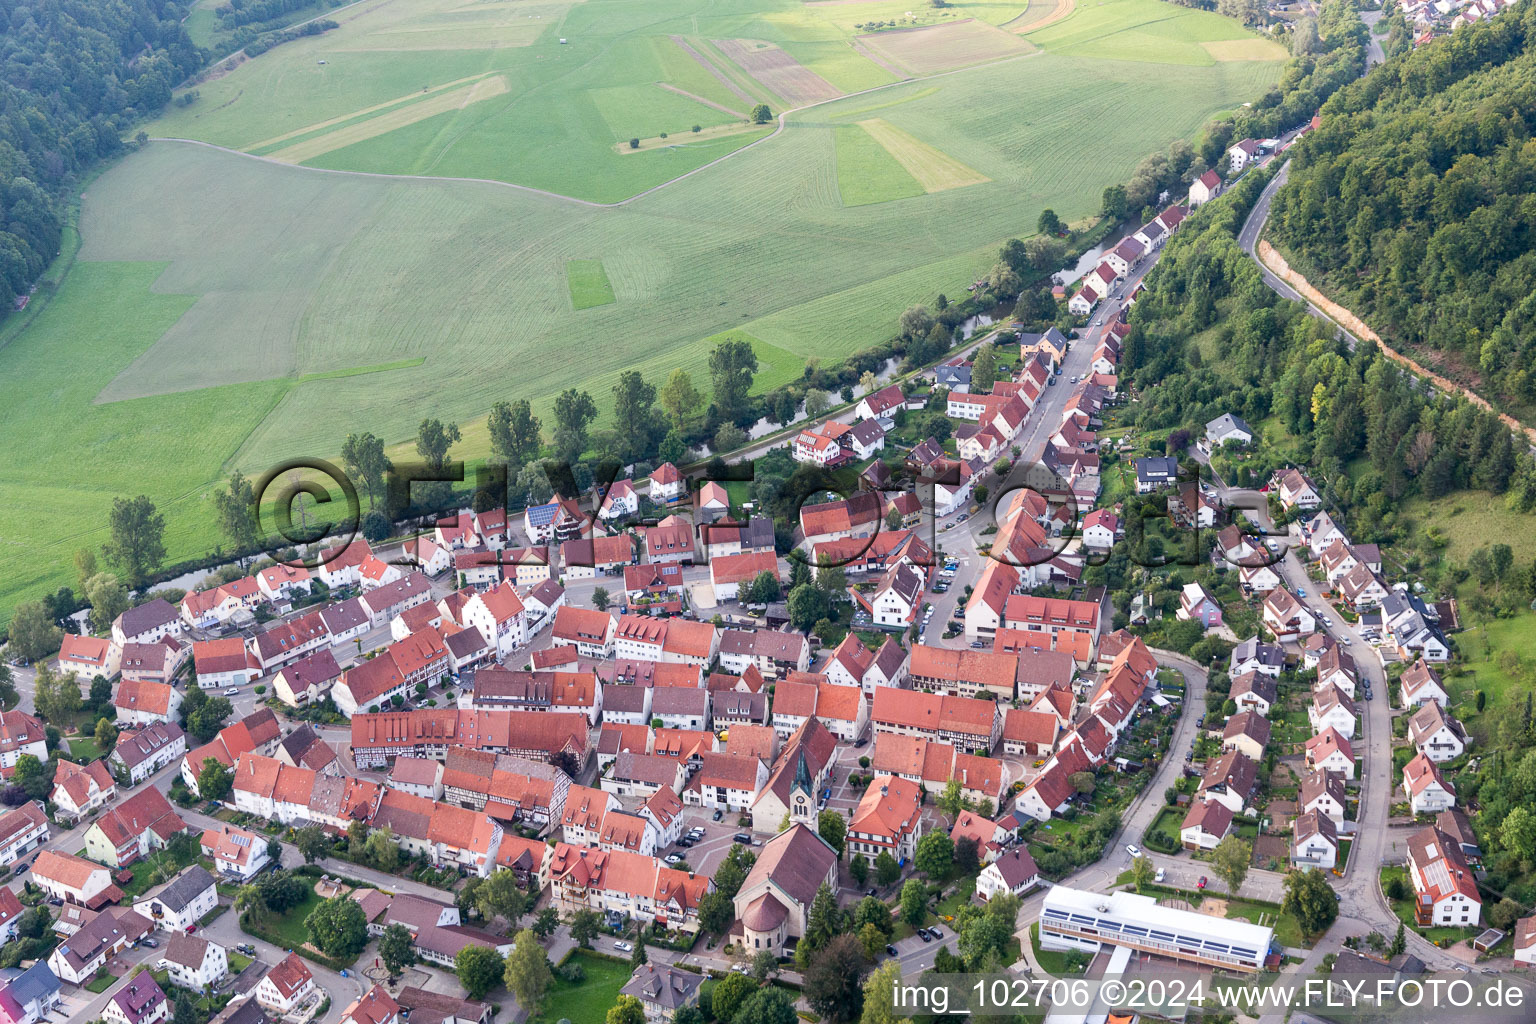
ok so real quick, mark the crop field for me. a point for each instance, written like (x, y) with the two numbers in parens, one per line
(867, 172)
(934, 170)
(588, 282)
(228, 312)
(778, 72)
(1150, 30)
(958, 44)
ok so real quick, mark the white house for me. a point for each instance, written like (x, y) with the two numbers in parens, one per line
(1206, 824)
(1286, 617)
(499, 616)
(1445, 892)
(1421, 684)
(1100, 528)
(1314, 841)
(1427, 790)
(1204, 188)
(194, 962)
(1240, 155)
(1332, 708)
(1013, 872)
(667, 485)
(285, 986)
(1330, 751)
(183, 901)
(898, 597)
(1435, 734)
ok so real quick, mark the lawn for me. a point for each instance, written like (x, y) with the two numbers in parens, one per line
(287, 929)
(589, 999)
(1500, 663)
(158, 867)
(1287, 930)
(82, 751)
(101, 982)
(1050, 961)
(211, 289)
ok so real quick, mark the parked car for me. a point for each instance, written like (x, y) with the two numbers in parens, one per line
(890, 950)
(717, 815)
(151, 943)
(233, 691)
(871, 892)
(1161, 874)
(1300, 592)
(922, 933)
(673, 858)
(977, 645)
(1202, 883)
(624, 947)
(744, 838)
(741, 969)
(1133, 849)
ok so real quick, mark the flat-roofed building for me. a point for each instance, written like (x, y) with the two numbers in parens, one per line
(1074, 919)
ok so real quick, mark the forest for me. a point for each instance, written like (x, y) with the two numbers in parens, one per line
(1414, 203)
(75, 74)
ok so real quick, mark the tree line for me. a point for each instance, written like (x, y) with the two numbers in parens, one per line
(74, 74)
(1412, 204)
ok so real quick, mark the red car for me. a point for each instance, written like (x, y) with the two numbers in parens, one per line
(191, 928)
(1200, 884)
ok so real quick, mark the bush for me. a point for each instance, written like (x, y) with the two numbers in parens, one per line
(634, 143)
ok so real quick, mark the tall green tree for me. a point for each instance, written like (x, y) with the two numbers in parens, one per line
(1311, 900)
(108, 599)
(732, 364)
(338, 927)
(480, 969)
(527, 974)
(766, 1006)
(729, 993)
(984, 370)
(396, 951)
(1049, 223)
(364, 459)
(626, 1010)
(501, 896)
(137, 544)
(235, 507)
(574, 413)
(833, 827)
(914, 902)
(33, 633)
(214, 781)
(634, 402)
(56, 696)
(935, 855)
(514, 431)
(680, 398)
(433, 441)
(834, 984)
(1230, 861)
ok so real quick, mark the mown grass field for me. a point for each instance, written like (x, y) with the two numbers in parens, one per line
(227, 312)
(867, 172)
(1150, 30)
(588, 283)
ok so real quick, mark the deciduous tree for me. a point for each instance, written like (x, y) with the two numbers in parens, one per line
(732, 363)
(235, 507)
(680, 398)
(338, 927)
(574, 413)
(832, 827)
(514, 431)
(137, 544)
(364, 458)
(479, 969)
(395, 950)
(834, 985)
(33, 633)
(1230, 862)
(527, 974)
(1310, 899)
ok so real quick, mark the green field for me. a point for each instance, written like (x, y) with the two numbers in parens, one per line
(589, 999)
(227, 312)
(866, 173)
(1150, 30)
(589, 283)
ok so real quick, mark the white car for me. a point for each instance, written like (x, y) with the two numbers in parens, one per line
(1133, 849)
(1161, 874)
(673, 858)
(233, 691)
(624, 947)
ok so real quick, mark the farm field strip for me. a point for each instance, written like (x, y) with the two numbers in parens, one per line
(945, 47)
(688, 138)
(934, 170)
(867, 172)
(228, 311)
(1039, 14)
(700, 99)
(256, 147)
(714, 71)
(778, 71)
(400, 117)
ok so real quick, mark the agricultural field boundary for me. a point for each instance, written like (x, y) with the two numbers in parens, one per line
(531, 190)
